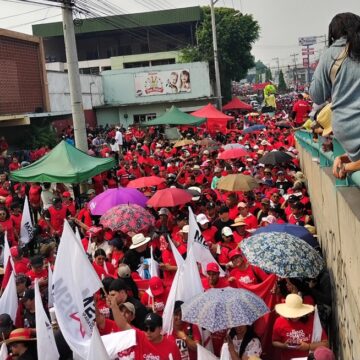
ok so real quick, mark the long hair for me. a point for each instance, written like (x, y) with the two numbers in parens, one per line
(346, 25)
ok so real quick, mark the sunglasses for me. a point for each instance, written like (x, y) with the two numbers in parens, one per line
(149, 328)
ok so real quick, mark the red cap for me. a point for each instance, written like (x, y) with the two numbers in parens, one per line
(212, 267)
(156, 286)
(14, 251)
(235, 252)
(66, 194)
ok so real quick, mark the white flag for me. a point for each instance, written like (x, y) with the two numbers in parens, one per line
(9, 299)
(201, 250)
(50, 283)
(317, 328)
(203, 354)
(7, 254)
(26, 230)
(46, 345)
(4, 352)
(74, 284)
(154, 265)
(97, 349)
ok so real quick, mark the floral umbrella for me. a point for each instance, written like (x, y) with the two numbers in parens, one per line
(282, 254)
(128, 218)
(220, 309)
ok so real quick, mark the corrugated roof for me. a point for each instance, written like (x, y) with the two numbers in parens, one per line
(130, 21)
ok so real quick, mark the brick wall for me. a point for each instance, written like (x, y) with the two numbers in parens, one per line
(21, 88)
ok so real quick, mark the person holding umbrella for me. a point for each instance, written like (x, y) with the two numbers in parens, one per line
(293, 330)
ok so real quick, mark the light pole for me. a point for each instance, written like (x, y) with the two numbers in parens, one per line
(216, 58)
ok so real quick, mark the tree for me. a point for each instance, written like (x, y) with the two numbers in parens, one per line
(282, 84)
(235, 35)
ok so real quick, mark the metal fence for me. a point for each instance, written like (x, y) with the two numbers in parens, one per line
(326, 159)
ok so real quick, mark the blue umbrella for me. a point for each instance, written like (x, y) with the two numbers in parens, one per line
(220, 309)
(296, 230)
(253, 128)
(282, 254)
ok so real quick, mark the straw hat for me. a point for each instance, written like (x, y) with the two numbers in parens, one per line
(139, 240)
(293, 307)
(238, 222)
(20, 335)
(324, 119)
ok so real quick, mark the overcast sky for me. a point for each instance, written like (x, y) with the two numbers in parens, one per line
(282, 22)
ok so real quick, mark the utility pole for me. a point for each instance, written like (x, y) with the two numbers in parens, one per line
(295, 79)
(74, 77)
(216, 58)
(278, 67)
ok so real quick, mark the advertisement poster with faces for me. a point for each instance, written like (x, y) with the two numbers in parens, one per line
(162, 82)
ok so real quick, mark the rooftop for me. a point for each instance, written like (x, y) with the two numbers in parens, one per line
(126, 21)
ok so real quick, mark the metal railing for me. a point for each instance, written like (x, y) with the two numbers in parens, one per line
(305, 139)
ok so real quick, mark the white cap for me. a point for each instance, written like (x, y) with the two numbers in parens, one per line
(269, 219)
(202, 219)
(164, 211)
(241, 205)
(185, 229)
(226, 231)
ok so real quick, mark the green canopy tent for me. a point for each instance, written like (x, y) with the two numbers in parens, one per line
(63, 164)
(175, 117)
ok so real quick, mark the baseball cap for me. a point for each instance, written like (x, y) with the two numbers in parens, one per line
(124, 271)
(235, 252)
(323, 353)
(185, 229)
(241, 205)
(212, 267)
(129, 306)
(164, 211)
(156, 286)
(29, 294)
(226, 231)
(66, 194)
(153, 319)
(90, 191)
(5, 322)
(202, 219)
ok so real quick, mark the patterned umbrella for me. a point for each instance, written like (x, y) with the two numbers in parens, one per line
(220, 309)
(237, 182)
(206, 142)
(296, 230)
(101, 203)
(254, 128)
(282, 254)
(128, 218)
(233, 154)
(145, 181)
(275, 157)
(169, 197)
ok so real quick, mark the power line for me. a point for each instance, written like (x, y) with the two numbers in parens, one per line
(34, 21)
(24, 13)
(36, 2)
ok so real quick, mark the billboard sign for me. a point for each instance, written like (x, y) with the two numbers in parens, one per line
(305, 62)
(307, 41)
(162, 82)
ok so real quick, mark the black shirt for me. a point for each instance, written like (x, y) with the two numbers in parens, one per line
(134, 258)
(220, 225)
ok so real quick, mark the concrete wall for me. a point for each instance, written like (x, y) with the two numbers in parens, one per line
(337, 214)
(59, 92)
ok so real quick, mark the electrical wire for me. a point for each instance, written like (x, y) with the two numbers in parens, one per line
(33, 22)
(36, 2)
(24, 13)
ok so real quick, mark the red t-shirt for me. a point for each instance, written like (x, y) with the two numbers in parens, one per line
(34, 195)
(193, 332)
(246, 276)
(32, 275)
(110, 327)
(223, 282)
(156, 303)
(293, 332)
(302, 108)
(16, 219)
(22, 266)
(168, 258)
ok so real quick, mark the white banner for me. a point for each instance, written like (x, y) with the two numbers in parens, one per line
(50, 283)
(74, 284)
(46, 345)
(4, 352)
(162, 82)
(203, 354)
(26, 230)
(118, 342)
(9, 299)
(196, 240)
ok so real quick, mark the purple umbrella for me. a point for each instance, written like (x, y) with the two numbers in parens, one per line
(114, 197)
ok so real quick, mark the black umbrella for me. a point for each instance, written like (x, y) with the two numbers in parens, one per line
(275, 157)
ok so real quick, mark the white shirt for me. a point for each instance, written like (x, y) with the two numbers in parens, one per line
(119, 137)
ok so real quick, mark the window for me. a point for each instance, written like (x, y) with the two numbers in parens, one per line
(136, 64)
(162, 62)
(143, 117)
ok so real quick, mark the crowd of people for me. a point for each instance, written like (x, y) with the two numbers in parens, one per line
(225, 218)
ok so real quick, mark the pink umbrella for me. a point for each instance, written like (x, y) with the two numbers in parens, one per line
(169, 197)
(145, 181)
(232, 154)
